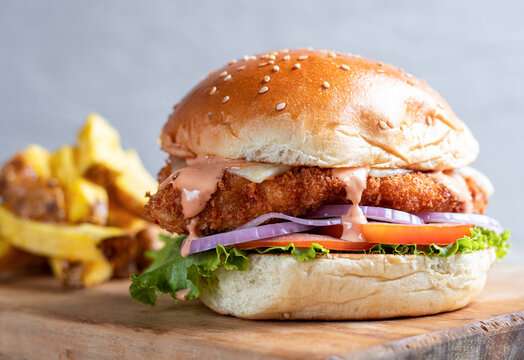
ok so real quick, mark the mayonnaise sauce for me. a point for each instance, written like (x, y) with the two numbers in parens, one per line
(456, 185)
(354, 180)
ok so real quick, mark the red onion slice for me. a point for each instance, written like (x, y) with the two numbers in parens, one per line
(269, 216)
(371, 212)
(461, 218)
(244, 235)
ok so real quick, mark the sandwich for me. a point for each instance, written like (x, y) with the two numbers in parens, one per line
(78, 210)
(311, 184)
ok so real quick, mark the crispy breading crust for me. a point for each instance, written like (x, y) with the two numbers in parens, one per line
(296, 192)
(28, 196)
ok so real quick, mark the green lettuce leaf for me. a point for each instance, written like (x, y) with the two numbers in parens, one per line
(479, 239)
(171, 272)
(301, 254)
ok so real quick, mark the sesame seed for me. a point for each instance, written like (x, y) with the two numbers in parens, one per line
(429, 120)
(225, 99)
(271, 62)
(263, 90)
(266, 78)
(245, 57)
(276, 67)
(272, 57)
(390, 124)
(213, 90)
(252, 57)
(381, 70)
(325, 85)
(275, 53)
(403, 127)
(263, 64)
(232, 62)
(223, 73)
(241, 67)
(265, 56)
(332, 54)
(344, 67)
(382, 125)
(281, 106)
(287, 57)
(227, 78)
(303, 57)
(296, 66)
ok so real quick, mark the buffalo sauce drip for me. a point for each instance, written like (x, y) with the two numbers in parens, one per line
(354, 180)
(197, 182)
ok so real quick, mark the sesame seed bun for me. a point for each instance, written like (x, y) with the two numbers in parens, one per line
(347, 286)
(318, 108)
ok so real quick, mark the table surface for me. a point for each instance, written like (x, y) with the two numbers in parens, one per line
(104, 322)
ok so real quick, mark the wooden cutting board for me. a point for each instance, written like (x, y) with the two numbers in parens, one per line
(38, 320)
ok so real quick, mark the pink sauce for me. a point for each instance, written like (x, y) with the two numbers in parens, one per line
(456, 185)
(186, 246)
(354, 180)
(198, 181)
(181, 294)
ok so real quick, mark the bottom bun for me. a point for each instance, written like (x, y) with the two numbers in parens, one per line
(347, 286)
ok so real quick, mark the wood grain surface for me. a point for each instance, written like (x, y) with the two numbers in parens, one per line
(39, 320)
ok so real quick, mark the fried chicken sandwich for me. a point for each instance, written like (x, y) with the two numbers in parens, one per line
(319, 185)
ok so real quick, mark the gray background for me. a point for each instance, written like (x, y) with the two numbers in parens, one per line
(132, 60)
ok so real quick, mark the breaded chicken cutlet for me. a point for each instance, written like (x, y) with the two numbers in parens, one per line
(299, 191)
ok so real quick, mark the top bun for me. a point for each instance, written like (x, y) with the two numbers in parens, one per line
(318, 108)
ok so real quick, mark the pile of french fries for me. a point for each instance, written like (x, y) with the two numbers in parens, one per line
(105, 192)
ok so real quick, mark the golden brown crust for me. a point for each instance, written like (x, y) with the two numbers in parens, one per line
(335, 110)
(127, 253)
(28, 196)
(296, 192)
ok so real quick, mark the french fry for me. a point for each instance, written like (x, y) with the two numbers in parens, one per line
(72, 242)
(132, 184)
(104, 188)
(99, 144)
(123, 219)
(87, 202)
(103, 161)
(38, 158)
(13, 260)
(80, 274)
(63, 166)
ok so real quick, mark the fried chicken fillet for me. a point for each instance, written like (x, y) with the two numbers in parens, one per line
(298, 191)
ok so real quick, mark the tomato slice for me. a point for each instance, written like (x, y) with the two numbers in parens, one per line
(373, 233)
(306, 240)
(440, 234)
